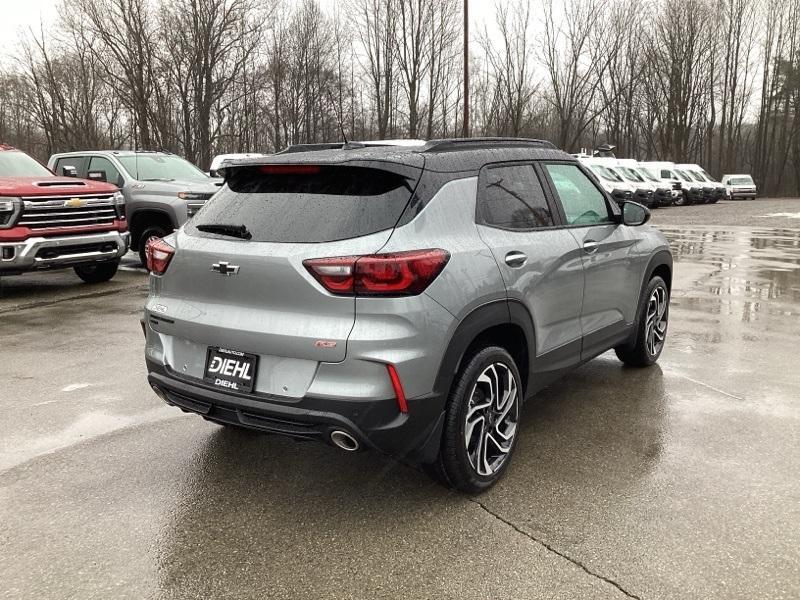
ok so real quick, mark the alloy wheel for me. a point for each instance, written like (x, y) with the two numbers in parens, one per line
(491, 420)
(656, 323)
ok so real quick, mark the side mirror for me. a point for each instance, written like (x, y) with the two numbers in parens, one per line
(96, 176)
(634, 214)
(69, 171)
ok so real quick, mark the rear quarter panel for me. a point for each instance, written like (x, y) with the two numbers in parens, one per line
(415, 332)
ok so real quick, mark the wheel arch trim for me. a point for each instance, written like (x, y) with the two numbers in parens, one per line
(662, 258)
(492, 314)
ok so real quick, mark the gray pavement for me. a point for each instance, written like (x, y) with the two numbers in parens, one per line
(679, 481)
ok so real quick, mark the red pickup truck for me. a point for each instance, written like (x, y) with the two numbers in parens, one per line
(50, 222)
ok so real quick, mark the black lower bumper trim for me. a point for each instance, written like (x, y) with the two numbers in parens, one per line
(377, 424)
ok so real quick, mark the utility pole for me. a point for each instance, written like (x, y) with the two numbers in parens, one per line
(465, 133)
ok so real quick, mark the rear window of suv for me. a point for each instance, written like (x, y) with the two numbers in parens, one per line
(307, 203)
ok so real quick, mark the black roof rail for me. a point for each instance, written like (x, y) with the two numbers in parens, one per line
(484, 143)
(311, 147)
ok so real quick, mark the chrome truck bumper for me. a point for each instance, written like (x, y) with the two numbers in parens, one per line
(51, 253)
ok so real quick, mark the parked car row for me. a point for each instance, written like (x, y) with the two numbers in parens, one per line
(658, 184)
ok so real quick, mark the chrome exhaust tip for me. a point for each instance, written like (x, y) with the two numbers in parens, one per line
(160, 393)
(345, 441)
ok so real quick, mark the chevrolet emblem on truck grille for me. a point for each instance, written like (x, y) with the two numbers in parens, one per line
(74, 203)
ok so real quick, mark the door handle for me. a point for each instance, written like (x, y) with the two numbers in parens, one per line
(590, 246)
(516, 259)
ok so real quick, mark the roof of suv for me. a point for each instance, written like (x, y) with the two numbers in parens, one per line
(446, 156)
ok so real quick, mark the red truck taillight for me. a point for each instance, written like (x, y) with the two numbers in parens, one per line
(159, 254)
(395, 274)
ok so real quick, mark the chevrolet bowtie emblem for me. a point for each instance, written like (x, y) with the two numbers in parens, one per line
(74, 203)
(224, 268)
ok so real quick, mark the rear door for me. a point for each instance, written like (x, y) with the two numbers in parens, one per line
(540, 262)
(611, 263)
(255, 295)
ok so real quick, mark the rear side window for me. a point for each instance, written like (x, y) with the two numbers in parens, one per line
(78, 162)
(307, 203)
(512, 198)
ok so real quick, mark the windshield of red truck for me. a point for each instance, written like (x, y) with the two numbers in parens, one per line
(14, 163)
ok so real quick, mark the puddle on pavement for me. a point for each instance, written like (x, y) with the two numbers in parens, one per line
(736, 271)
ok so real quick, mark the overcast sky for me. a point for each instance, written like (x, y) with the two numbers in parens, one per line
(19, 15)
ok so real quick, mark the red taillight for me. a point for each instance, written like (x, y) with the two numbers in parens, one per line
(399, 394)
(158, 253)
(289, 169)
(396, 274)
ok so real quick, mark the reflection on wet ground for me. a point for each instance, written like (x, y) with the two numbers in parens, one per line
(735, 270)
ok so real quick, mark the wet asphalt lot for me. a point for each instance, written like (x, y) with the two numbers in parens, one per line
(679, 481)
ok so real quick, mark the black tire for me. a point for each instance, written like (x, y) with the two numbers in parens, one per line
(453, 466)
(97, 272)
(155, 231)
(681, 200)
(643, 351)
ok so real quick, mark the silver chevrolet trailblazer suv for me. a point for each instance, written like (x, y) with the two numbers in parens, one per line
(407, 298)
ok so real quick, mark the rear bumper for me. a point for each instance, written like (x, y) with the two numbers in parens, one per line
(743, 195)
(376, 424)
(50, 253)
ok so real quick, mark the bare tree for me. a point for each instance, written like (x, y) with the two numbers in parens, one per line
(377, 23)
(713, 81)
(210, 43)
(576, 63)
(123, 39)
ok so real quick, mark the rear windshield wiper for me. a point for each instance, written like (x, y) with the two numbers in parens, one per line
(237, 231)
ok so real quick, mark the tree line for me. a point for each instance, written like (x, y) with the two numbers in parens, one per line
(709, 81)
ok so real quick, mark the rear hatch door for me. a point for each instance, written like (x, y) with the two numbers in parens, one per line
(263, 300)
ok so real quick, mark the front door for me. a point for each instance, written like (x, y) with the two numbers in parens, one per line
(610, 262)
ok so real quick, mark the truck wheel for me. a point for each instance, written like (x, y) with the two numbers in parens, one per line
(97, 272)
(149, 233)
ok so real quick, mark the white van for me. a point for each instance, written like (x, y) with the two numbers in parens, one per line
(740, 186)
(613, 183)
(691, 191)
(644, 191)
(715, 191)
(664, 192)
